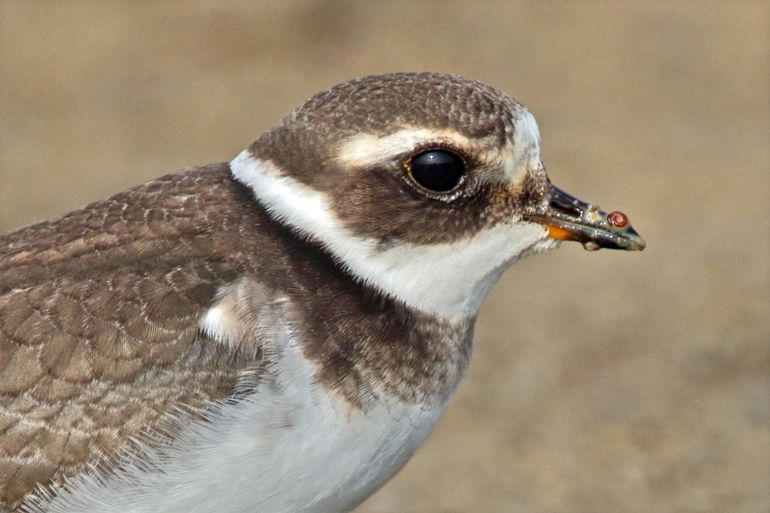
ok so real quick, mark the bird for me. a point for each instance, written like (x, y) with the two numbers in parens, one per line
(280, 332)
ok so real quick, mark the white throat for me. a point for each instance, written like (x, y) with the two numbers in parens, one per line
(449, 279)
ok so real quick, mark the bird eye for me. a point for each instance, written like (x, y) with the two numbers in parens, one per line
(437, 170)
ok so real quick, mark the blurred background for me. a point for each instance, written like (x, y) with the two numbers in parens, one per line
(601, 382)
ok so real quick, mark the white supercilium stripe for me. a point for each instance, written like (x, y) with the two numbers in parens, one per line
(368, 149)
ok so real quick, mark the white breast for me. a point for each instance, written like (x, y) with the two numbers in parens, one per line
(293, 446)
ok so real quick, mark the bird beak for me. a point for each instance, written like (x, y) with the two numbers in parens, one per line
(568, 218)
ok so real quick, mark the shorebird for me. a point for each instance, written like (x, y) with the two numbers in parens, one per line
(281, 332)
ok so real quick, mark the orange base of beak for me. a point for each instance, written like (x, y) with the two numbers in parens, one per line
(556, 232)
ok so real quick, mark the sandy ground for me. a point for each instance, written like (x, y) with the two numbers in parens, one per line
(601, 382)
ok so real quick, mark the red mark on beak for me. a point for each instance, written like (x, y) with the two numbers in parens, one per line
(617, 219)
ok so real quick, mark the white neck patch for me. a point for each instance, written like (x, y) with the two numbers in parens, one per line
(449, 280)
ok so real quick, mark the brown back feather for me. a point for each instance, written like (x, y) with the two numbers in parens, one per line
(99, 314)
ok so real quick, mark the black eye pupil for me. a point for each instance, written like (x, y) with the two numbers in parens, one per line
(437, 170)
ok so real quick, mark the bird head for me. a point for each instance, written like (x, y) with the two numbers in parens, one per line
(426, 186)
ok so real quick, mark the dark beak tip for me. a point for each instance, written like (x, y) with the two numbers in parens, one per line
(637, 245)
(635, 241)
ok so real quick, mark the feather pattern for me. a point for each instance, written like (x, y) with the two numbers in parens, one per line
(224, 340)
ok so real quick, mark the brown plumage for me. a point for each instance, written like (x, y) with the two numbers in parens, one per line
(102, 349)
(98, 323)
(99, 313)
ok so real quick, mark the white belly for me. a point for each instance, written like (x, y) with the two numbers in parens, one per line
(291, 447)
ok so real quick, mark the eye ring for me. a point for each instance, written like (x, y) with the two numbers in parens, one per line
(437, 172)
